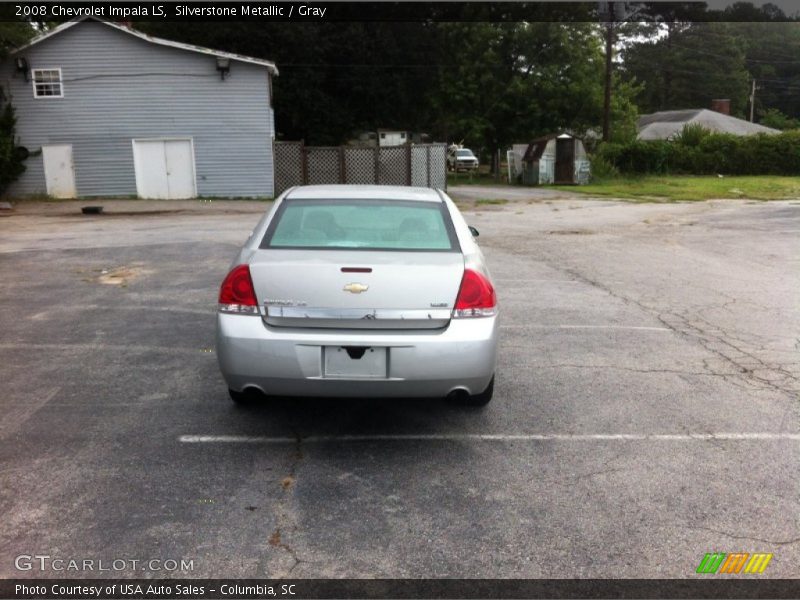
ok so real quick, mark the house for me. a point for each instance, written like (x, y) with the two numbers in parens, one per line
(105, 110)
(389, 137)
(667, 124)
(556, 158)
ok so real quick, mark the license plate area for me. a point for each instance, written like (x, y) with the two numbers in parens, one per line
(344, 362)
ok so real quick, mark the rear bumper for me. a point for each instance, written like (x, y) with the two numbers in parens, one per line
(290, 361)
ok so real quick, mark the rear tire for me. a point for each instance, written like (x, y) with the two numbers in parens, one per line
(481, 399)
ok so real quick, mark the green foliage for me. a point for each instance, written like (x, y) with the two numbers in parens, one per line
(774, 118)
(714, 153)
(691, 135)
(771, 53)
(693, 60)
(624, 112)
(511, 82)
(488, 83)
(689, 66)
(683, 188)
(11, 166)
(14, 34)
(637, 156)
(602, 169)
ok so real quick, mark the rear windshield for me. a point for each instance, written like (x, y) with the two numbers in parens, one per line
(361, 225)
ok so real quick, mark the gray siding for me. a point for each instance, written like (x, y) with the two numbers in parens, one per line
(118, 87)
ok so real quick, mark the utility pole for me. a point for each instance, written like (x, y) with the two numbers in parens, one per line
(609, 15)
(752, 100)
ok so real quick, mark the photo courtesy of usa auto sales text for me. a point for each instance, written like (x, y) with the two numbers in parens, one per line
(101, 591)
(152, 590)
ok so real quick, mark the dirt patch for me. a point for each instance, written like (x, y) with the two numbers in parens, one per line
(275, 539)
(140, 213)
(571, 232)
(120, 276)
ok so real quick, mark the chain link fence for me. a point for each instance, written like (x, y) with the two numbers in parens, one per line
(423, 165)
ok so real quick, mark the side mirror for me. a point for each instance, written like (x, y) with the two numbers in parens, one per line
(473, 231)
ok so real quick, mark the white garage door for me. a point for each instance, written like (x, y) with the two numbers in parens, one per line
(164, 168)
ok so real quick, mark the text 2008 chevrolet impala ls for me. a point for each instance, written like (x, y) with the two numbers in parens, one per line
(348, 290)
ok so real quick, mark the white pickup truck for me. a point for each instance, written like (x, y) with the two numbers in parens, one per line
(462, 159)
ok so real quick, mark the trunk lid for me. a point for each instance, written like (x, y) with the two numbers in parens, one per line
(332, 288)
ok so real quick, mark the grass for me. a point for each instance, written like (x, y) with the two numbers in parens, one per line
(687, 188)
(491, 201)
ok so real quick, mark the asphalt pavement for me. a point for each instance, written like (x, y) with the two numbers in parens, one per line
(645, 412)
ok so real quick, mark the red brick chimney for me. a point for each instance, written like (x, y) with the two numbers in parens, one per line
(721, 106)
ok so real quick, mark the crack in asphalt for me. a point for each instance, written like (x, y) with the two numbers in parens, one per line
(746, 537)
(689, 328)
(727, 350)
(287, 522)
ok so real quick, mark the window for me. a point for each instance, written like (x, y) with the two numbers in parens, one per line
(47, 83)
(361, 225)
(403, 136)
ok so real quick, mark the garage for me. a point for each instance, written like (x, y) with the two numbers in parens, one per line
(164, 168)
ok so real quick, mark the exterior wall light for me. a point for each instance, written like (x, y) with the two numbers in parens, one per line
(22, 67)
(223, 66)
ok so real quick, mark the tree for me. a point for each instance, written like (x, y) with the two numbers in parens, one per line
(488, 83)
(11, 165)
(774, 118)
(689, 58)
(772, 57)
(689, 67)
(12, 34)
(335, 78)
(511, 82)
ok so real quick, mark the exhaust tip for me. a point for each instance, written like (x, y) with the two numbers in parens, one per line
(458, 395)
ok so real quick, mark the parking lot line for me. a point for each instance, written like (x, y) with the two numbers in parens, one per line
(626, 327)
(492, 437)
(525, 280)
(101, 346)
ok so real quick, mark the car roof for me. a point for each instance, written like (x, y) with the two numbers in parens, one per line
(372, 192)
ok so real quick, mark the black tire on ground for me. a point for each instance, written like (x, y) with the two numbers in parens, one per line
(481, 399)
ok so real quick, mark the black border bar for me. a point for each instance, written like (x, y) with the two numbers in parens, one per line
(166, 589)
(366, 11)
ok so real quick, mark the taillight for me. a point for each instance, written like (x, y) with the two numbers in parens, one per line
(236, 295)
(476, 297)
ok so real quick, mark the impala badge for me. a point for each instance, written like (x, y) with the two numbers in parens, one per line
(355, 288)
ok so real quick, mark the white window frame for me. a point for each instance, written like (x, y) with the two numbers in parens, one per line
(60, 82)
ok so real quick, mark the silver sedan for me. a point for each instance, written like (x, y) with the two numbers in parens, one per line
(359, 291)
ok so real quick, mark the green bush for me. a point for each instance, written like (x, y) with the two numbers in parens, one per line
(691, 135)
(704, 153)
(774, 118)
(11, 166)
(602, 169)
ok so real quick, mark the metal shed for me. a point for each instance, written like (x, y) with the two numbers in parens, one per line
(555, 158)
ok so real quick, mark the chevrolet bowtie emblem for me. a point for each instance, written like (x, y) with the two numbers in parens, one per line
(355, 288)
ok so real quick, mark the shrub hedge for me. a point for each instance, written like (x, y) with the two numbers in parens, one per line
(707, 154)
